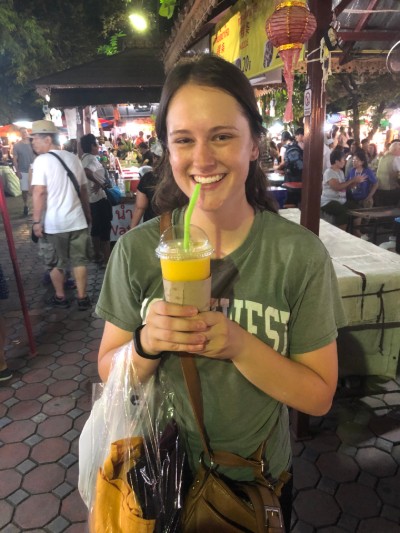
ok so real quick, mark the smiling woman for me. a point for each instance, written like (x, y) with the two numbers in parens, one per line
(254, 350)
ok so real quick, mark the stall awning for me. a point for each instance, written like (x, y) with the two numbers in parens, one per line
(135, 75)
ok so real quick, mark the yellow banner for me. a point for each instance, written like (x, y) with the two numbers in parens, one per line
(242, 39)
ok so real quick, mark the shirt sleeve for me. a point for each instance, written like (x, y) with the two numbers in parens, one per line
(317, 301)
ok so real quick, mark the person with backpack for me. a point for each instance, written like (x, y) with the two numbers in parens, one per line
(293, 167)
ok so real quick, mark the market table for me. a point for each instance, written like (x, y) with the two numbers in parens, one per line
(373, 218)
(369, 283)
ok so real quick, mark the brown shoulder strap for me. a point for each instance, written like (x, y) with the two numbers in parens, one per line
(193, 385)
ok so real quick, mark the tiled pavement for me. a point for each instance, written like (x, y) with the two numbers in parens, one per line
(347, 477)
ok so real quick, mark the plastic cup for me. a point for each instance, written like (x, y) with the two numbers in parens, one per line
(127, 185)
(186, 273)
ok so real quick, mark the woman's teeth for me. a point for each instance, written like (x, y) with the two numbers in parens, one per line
(208, 179)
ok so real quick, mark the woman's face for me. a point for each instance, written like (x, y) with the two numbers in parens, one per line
(357, 163)
(209, 142)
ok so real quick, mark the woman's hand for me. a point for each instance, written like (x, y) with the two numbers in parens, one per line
(172, 327)
(360, 178)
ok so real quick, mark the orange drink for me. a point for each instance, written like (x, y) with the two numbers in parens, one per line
(185, 266)
(185, 269)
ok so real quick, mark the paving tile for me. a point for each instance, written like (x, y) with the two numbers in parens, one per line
(367, 479)
(69, 359)
(316, 508)
(349, 523)
(301, 527)
(58, 525)
(73, 508)
(34, 439)
(31, 391)
(39, 418)
(10, 481)
(11, 529)
(66, 372)
(43, 478)
(6, 512)
(17, 497)
(5, 421)
(378, 524)
(80, 527)
(68, 460)
(71, 346)
(327, 485)
(49, 450)
(391, 513)
(337, 466)
(387, 428)
(45, 398)
(18, 431)
(63, 490)
(54, 426)
(36, 511)
(324, 442)
(26, 466)
(78, 334)
(305, 473)
(355, 434)
(376, 462)
(388, 489)
(41, 361)
(58, 405)
(358, 500)
(37, 375)
(13, 454)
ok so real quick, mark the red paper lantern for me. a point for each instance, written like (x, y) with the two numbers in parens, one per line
(288, 28)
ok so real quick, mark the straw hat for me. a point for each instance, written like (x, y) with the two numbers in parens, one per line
(44, 126)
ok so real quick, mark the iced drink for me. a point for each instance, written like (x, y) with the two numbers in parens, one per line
(186, 272)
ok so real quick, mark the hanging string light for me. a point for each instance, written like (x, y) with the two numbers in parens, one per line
(288, 28)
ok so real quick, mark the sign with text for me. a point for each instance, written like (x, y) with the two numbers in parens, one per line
(242, 39)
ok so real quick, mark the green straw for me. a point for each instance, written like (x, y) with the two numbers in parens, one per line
(188, 216)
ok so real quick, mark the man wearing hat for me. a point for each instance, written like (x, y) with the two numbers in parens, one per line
(61, 209)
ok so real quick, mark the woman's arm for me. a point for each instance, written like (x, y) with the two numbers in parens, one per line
(140, 207)
(336, 185)
(113, 338)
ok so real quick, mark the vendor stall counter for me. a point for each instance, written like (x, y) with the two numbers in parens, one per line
(369, 282)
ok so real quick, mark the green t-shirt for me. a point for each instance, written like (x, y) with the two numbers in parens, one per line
(279, 285)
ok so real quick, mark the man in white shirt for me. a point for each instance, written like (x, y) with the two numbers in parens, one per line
(60, 210)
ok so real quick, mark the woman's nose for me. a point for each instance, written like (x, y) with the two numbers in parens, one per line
(203, 155)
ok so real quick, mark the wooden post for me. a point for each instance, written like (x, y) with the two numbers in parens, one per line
(314, 124)
(313, 157)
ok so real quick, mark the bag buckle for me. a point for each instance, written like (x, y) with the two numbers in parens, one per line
(270, 512)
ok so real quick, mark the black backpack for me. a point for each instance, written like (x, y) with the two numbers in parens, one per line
(293, 162)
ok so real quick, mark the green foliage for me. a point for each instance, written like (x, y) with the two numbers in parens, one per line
(112, 47)
(167, 8)
(279, 96)
(39, 37)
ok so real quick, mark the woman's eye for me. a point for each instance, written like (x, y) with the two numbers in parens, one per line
(183, 140)
(223, 137)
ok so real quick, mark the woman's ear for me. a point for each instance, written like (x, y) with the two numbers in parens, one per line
(255, 152)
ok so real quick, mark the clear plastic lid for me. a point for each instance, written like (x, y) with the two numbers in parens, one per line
(171, 244)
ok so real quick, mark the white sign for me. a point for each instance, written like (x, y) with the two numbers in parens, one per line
(122, 218)
(307, 102)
